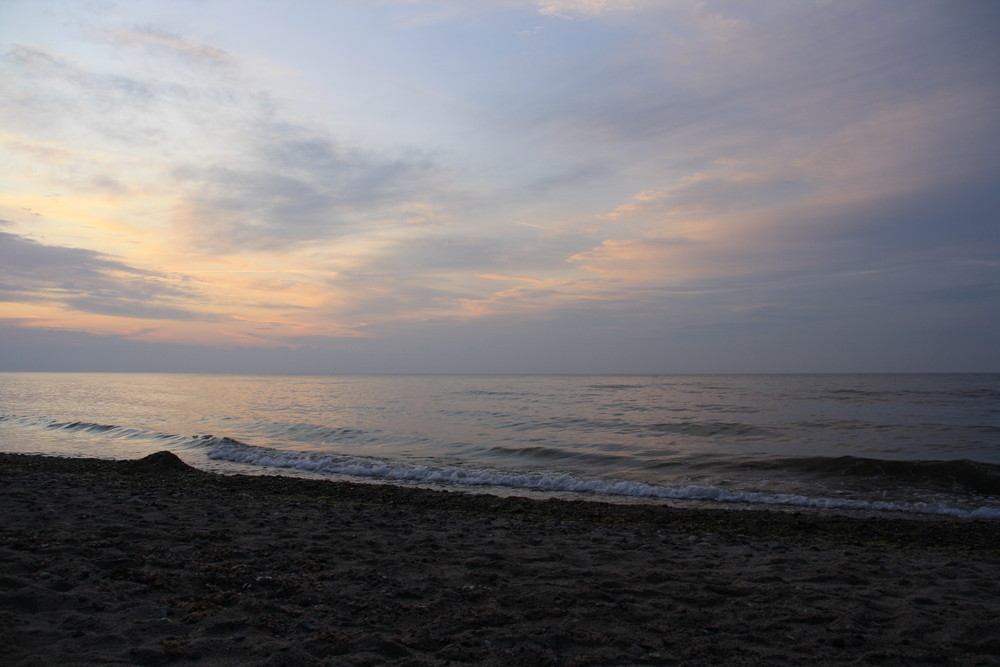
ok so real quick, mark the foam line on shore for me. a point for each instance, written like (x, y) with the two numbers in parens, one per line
(977, 476)
(234, 451)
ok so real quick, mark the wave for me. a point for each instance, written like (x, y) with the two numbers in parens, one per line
(552, 454)
(234, 451)
(295, 432)
(706, 429)
(859, 393)
(962, 474)
(968, 477)
(108, 429)
(615, 387)
(701, 428)
(305, 432)
(849, 394)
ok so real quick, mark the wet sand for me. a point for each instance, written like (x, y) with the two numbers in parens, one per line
(151, 562)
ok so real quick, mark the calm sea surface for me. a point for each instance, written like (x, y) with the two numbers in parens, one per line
(914, 444)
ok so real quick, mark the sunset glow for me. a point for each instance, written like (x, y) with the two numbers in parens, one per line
(500, 186)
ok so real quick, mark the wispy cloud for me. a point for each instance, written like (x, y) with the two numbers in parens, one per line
(234, 174)
(159, 39)
(87, 281)
(289, 187)
(572, 8)
(381, 173)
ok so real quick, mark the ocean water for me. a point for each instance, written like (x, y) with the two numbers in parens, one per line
(907, 444)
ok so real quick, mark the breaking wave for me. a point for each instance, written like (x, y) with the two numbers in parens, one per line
(961, 475)
(970, 488)
(234, 451)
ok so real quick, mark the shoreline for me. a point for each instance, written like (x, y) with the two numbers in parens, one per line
(154, 562)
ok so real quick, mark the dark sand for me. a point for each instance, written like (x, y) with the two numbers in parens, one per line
(151, 562)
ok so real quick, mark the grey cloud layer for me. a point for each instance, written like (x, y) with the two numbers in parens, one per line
(717, 178)
(244, 177)
(805, 70)
(87, 281)
(292, 186)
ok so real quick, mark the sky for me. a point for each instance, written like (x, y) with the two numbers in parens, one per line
(500, 186)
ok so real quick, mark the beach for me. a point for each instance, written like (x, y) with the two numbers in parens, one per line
(153, 562)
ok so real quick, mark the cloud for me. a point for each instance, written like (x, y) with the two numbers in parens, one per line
(574, 8)
(792, 72)
(659, 173)
(527, 279)
(639, 259)
(718, 190)
(973, 293)
(292, 185)
(245, 175)
(159, 39)
(87, 281)
(567, 179)
(48, 95)
(415, 14)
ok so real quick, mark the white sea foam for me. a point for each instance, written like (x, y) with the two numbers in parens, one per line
(231, 450)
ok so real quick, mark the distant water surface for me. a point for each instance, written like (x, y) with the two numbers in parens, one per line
(915, 444)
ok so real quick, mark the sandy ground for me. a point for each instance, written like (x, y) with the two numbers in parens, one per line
(151, 562)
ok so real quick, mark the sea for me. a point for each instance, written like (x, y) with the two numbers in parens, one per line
(916, 445)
